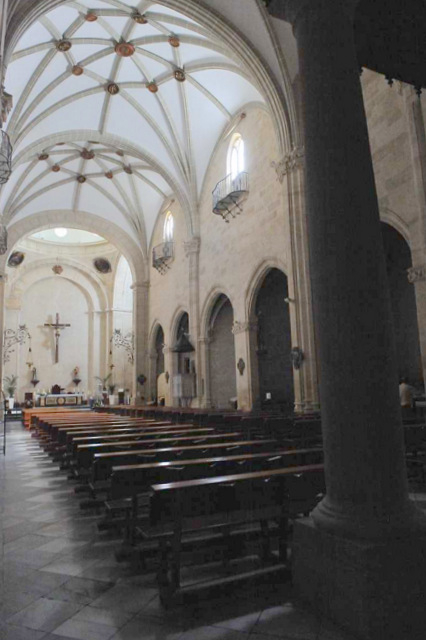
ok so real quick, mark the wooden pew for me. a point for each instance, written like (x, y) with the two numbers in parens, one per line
(103, 462)
(86, 452)
(228, 502)
(129, 482)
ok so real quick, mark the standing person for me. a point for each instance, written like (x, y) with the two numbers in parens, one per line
(406, 398)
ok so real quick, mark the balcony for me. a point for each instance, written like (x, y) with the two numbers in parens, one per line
(229, 194)
(162, 256)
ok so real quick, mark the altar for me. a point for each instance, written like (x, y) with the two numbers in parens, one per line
(59, 399)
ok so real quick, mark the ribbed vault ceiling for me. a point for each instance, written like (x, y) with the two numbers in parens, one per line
(118, 108)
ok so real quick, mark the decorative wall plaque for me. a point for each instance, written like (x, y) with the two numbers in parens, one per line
(174, 41)
(152, 87)
(297, 357)
(16, 258)
(102, 265)
(87, 154)
(124, 49)
(180, 75)
(63, 45)
(241, 365)
(113, 88)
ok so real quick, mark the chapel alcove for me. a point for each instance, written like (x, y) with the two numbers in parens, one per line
(403, 303)
(223, 384)
(274, 342)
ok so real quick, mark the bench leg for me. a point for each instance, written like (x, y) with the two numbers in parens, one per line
(176, 550)
(163, 573)
(283, 538)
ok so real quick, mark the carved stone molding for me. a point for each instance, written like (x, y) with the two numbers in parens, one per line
(293, 160)
(6, 105)
(416, 274)
(140, 285)
(241, 327)
(192, 246)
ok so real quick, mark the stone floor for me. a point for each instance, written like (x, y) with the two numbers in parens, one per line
(60, 578)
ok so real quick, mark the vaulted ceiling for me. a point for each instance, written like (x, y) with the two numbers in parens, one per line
(117, 109)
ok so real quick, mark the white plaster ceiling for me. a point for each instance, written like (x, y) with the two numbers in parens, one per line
(63, 236)
(152, 145)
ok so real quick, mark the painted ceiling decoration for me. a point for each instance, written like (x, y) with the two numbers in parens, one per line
(110, 105)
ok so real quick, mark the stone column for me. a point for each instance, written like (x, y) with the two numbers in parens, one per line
(151, 375)
(292, 170)
(204, 350)
(169, 368)
(192, 251)
(245, 336)
(417, 135)
(359, 559)
(140, 330)
(3, 278)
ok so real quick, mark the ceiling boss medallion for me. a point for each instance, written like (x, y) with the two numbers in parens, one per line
(87, 154)
(91, 17)
(113, 88)
(57, 269)
(128, 169)
(43, 156)
(124, 49)
(139, 18)
(81, 179)
(152, 87)
(77, 70)
(180, 75)
(63, 45)
(174, 41)
(56, 168)
(109, 174)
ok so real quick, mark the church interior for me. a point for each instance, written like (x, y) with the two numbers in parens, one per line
(212, 281)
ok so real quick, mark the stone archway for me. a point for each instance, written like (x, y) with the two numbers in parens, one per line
(403, 304)
(222, 369)
(272, 348)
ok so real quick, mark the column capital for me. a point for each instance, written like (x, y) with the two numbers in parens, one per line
(294, 159)
(416, 274)
(192, 246)
(241, 327)
(291, 10)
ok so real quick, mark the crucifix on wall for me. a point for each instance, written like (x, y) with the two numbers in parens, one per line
(57, 327)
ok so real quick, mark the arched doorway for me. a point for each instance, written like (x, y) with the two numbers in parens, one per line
(403, 303)
(223, 383)
(275, 370)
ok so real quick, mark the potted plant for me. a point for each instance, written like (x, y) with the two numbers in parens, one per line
(10, 385)
(111, 396)
(104, 382)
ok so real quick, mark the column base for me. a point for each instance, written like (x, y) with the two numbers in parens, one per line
(375, 590)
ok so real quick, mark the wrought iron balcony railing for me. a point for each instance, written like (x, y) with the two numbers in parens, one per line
(228, 194)
(162, 256)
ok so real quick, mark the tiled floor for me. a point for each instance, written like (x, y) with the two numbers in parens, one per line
(60, 579)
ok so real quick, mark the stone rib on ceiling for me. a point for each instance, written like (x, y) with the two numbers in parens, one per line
(158, 144)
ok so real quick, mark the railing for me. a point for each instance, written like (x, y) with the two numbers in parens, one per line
(162, 255)
(227, 194)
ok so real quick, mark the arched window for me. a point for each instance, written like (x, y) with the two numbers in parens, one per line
(168, 227)
(235, 156)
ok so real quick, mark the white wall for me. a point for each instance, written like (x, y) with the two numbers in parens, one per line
(40, 303)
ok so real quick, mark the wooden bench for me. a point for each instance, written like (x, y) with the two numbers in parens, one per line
(228, 502)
